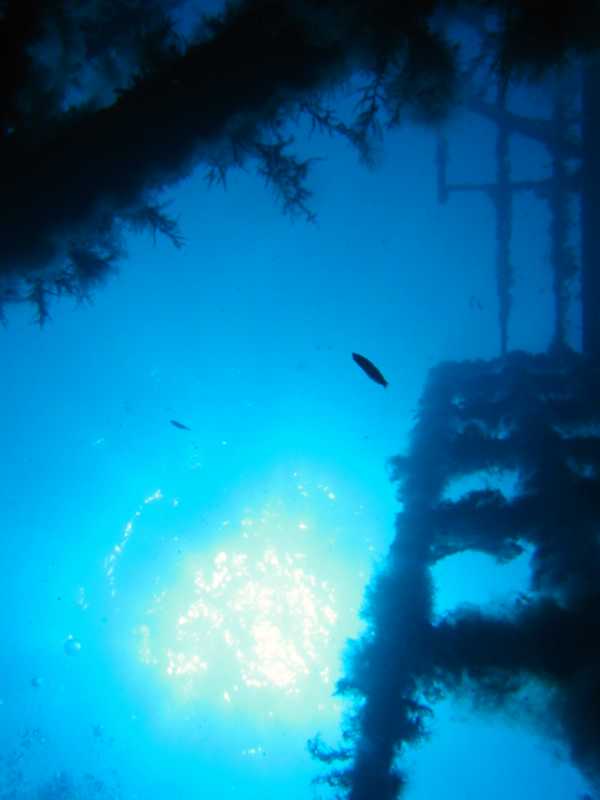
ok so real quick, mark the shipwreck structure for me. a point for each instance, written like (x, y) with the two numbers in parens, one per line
(504, 459)
(536, 420)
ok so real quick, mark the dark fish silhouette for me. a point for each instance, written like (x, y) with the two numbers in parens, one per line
(179, 425)
(370, 368)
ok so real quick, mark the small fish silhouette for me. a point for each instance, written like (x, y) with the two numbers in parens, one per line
(179, 425)
(370, 368)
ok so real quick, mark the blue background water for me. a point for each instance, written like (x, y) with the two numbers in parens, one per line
(246, 335)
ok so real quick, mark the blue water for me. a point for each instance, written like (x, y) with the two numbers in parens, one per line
(116, 524)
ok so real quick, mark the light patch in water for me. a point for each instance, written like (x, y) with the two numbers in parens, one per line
(256, 619)
(112, 559)
(504, 481)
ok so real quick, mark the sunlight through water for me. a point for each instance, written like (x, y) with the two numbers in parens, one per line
(261, 617)
(262, 614)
